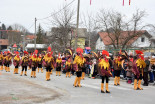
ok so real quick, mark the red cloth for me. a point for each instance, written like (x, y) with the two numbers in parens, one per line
(104, 52)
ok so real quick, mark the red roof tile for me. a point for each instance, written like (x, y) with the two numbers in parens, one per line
(109, 38)
(31, 37)
(4, 42)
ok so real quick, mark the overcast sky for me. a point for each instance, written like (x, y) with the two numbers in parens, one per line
(24, 11)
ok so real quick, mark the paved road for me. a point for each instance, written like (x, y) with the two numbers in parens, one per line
(16, 89)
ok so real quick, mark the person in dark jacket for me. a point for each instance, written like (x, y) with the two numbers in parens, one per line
(152, 67)
(145, 74)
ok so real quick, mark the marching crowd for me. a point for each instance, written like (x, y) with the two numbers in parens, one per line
(133, 68)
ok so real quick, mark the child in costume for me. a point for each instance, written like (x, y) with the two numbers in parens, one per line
(34, 63)
(1, 61)
(58, 65)
(16, 62)
(40, 60)
(24, 63)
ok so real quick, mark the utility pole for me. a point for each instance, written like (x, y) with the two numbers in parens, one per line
(89, 37)
(77, 25)
(35, 35)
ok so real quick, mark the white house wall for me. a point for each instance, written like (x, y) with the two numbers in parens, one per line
(99, 44)
(138, 42)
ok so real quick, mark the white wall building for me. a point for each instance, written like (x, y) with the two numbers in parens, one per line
(141, 41)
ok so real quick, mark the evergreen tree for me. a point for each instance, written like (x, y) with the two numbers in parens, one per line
(4, 33)
(3, 27)
(39, 39)
(9, 28)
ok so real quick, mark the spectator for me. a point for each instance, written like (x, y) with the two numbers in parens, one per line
(152, 62)
(145, 74)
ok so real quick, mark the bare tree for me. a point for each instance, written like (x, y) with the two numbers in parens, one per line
(15, 36)
(115, 24)
(89, 22)
(19, 28)
(62, 23)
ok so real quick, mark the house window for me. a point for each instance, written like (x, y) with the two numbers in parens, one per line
(142, 39)
(100, 39)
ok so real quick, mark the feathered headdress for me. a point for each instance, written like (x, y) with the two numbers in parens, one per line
(16, 52)
(36, 52)
(139, 53)
(25, 52)
(104, 52)
(79, 50)
(49, 49)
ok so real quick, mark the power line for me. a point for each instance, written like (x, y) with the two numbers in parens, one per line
(57, 11)
(31, 26)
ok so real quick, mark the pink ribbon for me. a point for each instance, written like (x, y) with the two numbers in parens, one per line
(123, 2)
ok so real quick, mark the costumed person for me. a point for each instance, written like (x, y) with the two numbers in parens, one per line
(40, 60)
(34, 63)
(78, 64)
(29, 66)
(84, 60)
(7, 61)
(69, 62)
(104, 70)
(58, 65)
(138, 69)
(1, 61)
(4, 60)
(117, 69)
(16, 62)
(24, 63)
(48, 62)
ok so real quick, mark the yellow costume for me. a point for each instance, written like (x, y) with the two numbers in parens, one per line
(16, 63)
(1, 61)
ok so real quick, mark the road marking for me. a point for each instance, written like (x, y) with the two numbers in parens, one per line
(125, 86)
(91, 86)
(96, 87)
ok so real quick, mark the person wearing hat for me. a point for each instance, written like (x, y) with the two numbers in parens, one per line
(34, 63)
(8, 61)
(48, 62)
(117, 69)
(69, 62)
(5, 60)
(78, 64)
(138, 69)
(58, 65)
(24, 63)
(40, 60)
(16, 62)
(29, 66)
(104, 70)
(1, 61)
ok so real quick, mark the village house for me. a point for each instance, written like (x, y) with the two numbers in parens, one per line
(143, 40)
